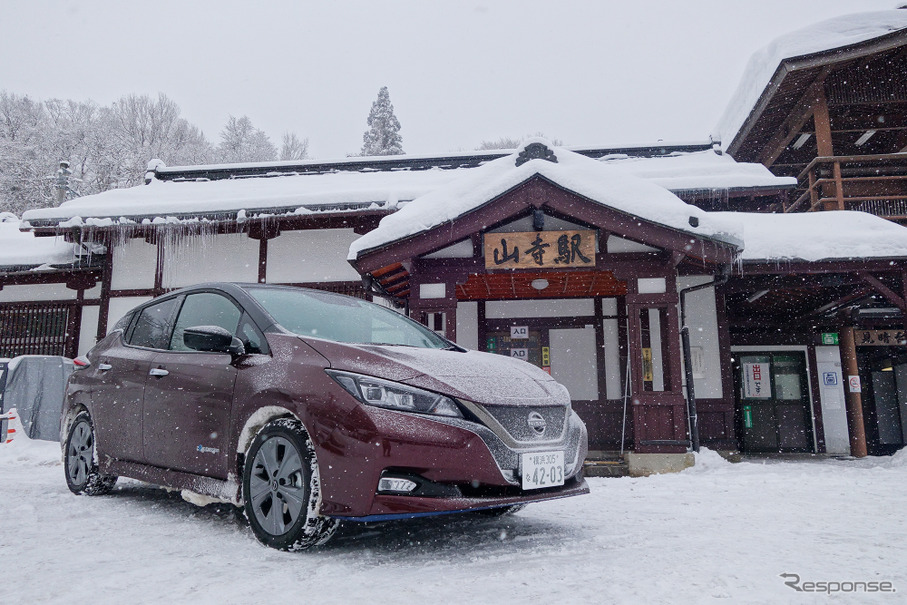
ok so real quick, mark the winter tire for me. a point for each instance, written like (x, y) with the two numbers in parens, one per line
(282, 488)
(80, 463)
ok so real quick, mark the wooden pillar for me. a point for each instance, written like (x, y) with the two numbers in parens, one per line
(904, 294)
(159, 266)
(264, 231)
(262, 260)
(825, 148)
(106, 276)
(856, 427)
(823, 125)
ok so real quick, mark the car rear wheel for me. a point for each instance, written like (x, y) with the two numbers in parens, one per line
(282, 488)
(82, 473)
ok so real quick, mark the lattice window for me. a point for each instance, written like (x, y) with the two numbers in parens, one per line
(35, 329)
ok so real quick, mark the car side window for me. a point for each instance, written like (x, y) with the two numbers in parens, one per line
(204, 309)
(252, 338)
(124, 322)
(152, 328)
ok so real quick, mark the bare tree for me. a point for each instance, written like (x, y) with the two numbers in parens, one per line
(240, 141)
(293, 148)
(513, 143)
(109, 147)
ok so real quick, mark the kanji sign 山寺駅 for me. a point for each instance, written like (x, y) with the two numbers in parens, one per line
(540, 249)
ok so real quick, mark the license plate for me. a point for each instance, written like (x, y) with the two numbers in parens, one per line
(542, 469)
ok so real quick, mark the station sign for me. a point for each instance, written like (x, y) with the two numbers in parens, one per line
(540, 250)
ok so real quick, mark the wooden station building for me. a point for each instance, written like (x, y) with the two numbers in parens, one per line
(588, 262)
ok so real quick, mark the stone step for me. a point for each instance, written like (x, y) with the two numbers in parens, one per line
(605, 468)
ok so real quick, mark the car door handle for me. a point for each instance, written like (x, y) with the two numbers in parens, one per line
(104, 367)
(158, 372)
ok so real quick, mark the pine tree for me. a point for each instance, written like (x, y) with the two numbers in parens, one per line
(383, 134)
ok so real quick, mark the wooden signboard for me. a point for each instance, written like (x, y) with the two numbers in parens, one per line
(879, 338)
(540, 249)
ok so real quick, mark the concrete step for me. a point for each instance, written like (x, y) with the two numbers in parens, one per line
(605, 468)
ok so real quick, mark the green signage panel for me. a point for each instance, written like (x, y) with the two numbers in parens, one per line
(829, 338)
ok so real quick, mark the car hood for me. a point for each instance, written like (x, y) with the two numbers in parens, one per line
(481, 377)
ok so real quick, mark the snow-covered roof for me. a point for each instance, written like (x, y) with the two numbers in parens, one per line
(828, 35)
(814, 236)
(602, 182)
(23, 249)
(699, 170)
(352, 190)
(301, 194)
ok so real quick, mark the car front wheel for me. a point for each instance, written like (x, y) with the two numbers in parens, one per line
(282, 489)
(82, 473)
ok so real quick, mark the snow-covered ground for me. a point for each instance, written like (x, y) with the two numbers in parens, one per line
(718, 532)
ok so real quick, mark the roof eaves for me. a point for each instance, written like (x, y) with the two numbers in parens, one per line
(841, 54)
(52, 226)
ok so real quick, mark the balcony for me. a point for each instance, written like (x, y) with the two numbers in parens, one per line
(876, 184)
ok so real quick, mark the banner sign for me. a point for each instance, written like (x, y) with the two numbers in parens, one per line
(540, 249)
(756, 383)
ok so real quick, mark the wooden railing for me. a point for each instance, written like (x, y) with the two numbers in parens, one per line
(870, 183)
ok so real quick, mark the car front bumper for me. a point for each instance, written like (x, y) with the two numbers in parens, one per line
(459, 465)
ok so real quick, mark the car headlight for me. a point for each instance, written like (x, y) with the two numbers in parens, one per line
(395, 396)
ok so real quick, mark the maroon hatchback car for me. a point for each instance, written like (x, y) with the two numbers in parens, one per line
(308, 407)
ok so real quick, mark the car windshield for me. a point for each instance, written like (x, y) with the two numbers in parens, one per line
(343, 319)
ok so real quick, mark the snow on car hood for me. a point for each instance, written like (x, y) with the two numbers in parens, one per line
(481, 377)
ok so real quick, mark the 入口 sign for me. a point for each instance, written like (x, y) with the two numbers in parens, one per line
(519, 332)
(540, 249)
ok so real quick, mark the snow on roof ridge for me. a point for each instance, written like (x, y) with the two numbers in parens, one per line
(584, 176)
(163, 169)
(834, 33)
(699, 170)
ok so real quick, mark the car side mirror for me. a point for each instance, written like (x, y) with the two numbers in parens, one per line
(213, 339)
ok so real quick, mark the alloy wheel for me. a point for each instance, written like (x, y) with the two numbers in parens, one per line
(80, 454)
(277, 485)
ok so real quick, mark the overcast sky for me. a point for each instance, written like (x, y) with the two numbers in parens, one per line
(459, 72)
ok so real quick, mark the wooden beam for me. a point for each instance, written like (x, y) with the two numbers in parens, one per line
(834, 305)
(884, 290)
(794, 123)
